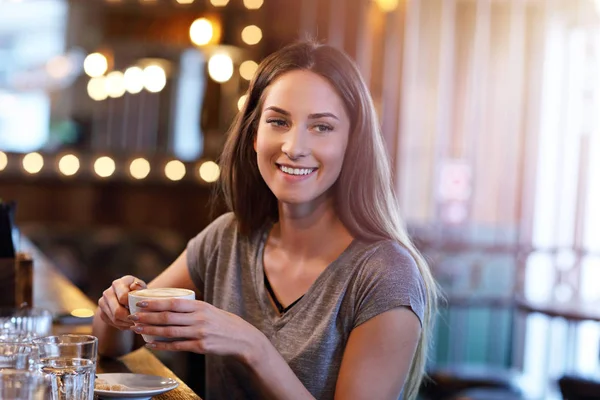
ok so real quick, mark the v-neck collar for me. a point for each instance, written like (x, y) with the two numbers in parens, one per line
(276, 319)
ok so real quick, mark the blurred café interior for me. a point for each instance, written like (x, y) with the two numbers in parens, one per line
(113, 114)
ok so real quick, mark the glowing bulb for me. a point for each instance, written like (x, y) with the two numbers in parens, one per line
(68, 165)
(219, 3)
(134, 80)
(155, 78)
(209, 171)
(82, 313)
(251, 34)
(104, 167)
(3, 161)
(253, 4)
(241, 102)
(248, 69)
(115, 84)
(201, 31)
(185, 1)
(96, 88)
(139, 168)
(33, 163)
(95, 65)
(220, 67)
(387, 5)
(175, 170)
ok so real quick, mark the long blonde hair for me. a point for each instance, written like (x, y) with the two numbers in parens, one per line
(364, 193)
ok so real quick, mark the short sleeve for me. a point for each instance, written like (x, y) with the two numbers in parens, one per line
(389, 279)
(205, 246)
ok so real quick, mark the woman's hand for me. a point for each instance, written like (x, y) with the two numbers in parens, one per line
(113, 303)
(206, 329)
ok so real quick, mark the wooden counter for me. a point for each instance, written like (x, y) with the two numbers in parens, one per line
(55, 292)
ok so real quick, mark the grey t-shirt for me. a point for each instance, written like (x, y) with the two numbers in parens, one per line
(367, 279)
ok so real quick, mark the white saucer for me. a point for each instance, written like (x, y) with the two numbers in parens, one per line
(142, 386)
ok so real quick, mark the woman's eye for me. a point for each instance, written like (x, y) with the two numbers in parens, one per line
(276, 122)
(323, 128)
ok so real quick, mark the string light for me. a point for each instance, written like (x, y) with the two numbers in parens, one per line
(209, 171)
(115, 84)
(95, 65)
(387, 5)
(248, 69)
(175, 170)
(3, 161)
(68, 165)
(253, 4)
(220, 67)
(219, 3)
(241, 102)
(134, 80)
(96, 89)
(201, 31)
(139, 168)
(33, 163)
(185, 1)
(104, 167)
(155, 78)
(251, 34)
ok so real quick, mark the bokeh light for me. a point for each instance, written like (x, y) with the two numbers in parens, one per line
(134, 80)
(209, 171)
(104, 167)
(139, 168)
(95, 65)
(248, 69)
(201, 31)
(115, 84)
(175, 170)
(96, 88)
(155, 78)
(251, 34)
(68, 165)
(33, 163)
(220, 67)
(241, 102)
(3, 161)
(253, 4)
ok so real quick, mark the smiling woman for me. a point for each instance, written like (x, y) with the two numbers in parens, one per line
(300, 141)
(310, 286)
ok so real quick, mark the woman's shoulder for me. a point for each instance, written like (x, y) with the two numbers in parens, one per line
(387, 254)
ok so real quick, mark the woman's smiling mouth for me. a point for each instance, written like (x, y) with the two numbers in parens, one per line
(296, 172)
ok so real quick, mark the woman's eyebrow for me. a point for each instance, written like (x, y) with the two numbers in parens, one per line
(311, 116)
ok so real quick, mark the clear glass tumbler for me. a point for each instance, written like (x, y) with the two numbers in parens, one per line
(69, 362)
(22, 385)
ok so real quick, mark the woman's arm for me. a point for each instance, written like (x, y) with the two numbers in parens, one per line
(111, 324)
(378, 356)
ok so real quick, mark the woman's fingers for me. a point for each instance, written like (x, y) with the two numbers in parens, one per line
(178, 345)
(109, 317)
(165, 331)
(176, 305)
(165, 318)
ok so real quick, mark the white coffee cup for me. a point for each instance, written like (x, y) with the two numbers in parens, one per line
(136, 296)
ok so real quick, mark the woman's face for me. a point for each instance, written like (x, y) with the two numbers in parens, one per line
(302, 137)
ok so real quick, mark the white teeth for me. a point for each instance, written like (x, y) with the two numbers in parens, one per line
(296, 171)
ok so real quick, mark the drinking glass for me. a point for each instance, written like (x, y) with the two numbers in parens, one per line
(17, 354)
(35, 322)
(22, 385)
(69, 362)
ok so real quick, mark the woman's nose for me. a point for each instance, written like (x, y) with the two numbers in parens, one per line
(296, 144)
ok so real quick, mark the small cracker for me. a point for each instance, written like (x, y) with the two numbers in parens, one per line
(118, 388)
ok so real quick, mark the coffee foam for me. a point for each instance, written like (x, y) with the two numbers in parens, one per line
(162, 292)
